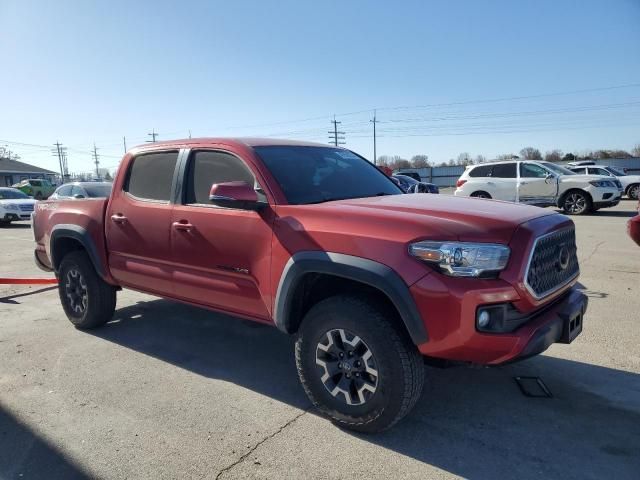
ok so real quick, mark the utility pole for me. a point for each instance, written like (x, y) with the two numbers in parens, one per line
(124, 142)
(58, 152)
(374, 121)
(189, 133)
(153, 135)
(336, 137)
(95, 160)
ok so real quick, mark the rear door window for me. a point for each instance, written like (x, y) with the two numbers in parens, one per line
(504, 170)
(598, 171)
(151, 176)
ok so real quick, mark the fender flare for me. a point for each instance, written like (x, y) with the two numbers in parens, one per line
(81, 235)
(359, 269)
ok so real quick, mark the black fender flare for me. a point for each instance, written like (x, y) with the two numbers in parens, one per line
(359, 269)
(80, 235)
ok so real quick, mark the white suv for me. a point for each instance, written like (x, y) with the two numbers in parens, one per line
(630, 183)
(539, 183)
(14, 205)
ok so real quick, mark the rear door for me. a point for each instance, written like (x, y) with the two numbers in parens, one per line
(138, 223)
(222, 255)
(503, 178)
(536, 187)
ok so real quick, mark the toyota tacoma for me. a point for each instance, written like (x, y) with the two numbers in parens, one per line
(319, 243)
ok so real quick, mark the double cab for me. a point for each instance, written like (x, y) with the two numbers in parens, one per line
(317, 242)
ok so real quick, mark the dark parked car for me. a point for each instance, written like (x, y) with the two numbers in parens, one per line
(410, 185)
(78, 190)
(414, 175)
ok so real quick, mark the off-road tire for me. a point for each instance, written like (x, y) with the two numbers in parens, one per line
(577, 202)
(100, 302)
(399, 364)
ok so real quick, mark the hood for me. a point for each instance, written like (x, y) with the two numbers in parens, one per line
(418, 216)
(585, 178)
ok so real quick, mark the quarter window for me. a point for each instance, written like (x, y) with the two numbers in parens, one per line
(481, 171)
(64, 191)
(151, 176)
(209, 167)
(531, 170)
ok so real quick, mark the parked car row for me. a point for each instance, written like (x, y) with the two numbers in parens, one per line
(540, 183)
(630, 183)
(38, 188)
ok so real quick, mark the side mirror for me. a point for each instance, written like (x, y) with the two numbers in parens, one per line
(239, 195)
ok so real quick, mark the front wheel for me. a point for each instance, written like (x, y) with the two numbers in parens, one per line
(576, 203)
(87, 300)
(634, 192)
(356, 365)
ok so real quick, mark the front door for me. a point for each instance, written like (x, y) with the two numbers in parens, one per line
(537, 185)
(138, 223)
(222, 255)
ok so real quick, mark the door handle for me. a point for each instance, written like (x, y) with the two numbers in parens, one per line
(118, 218)
(523, 183)
(182, 226)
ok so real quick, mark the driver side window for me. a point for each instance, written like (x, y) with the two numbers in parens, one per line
(531, 170)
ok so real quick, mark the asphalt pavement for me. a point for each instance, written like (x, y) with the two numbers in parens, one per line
(169, 391)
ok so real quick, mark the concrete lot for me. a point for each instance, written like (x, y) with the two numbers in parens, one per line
(168, 391)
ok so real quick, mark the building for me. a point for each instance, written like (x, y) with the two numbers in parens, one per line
(13, 171)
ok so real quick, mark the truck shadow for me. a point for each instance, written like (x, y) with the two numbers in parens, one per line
(472, 422)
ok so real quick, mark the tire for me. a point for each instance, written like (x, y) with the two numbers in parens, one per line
(576, 202)
(87, 300)
(480, 195)
(633, 192)
(394, 368)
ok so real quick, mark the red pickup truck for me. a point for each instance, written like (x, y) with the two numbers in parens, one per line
(318, 242)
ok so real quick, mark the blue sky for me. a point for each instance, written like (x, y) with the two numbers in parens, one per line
(81, 72)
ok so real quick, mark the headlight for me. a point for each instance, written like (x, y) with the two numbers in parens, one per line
(602, 183)
(461, 259)
(11, 206)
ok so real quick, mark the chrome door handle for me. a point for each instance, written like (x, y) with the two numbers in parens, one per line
(182, 226)
(118, 218)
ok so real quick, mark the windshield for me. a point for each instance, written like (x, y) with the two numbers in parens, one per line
(616, 172)
(321, 174)
(557, 169)
(12, 194)
(97, 191)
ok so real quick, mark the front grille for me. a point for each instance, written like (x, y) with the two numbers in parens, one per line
(553, 262)
(26, 207)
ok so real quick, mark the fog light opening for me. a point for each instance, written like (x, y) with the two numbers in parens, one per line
(483, 319)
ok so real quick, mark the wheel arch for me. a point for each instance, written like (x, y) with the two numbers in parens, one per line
(476, 193)
(630, 186)
(66, 238)
(574, 189)
(304, 268)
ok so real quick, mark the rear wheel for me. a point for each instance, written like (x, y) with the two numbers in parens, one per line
(576, 202)
(480, 195)
(356, 366)
(633, 191)
(87, 300)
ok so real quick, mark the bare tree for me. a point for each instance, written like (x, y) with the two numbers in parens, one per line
(636, 150)
(530, 153)
(507, 156)
(420, 161)
(480, 159)
(553, 156)
(464, 159)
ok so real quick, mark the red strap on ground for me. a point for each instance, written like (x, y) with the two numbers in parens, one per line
(28, 281)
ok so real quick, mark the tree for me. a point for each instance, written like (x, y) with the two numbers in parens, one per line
(507, 156)
(569, 157)
(108, 177)
(553, 156)
(480, 159)
(530, 153)
(420, 161)
(636, 150)
(464, 159)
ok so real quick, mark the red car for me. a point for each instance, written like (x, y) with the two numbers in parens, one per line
(633, 227)
(319, 243)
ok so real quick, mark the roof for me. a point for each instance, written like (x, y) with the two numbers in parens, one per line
(246, 141)
(14, 166)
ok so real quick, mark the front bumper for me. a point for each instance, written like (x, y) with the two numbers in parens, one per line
(449, 311)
